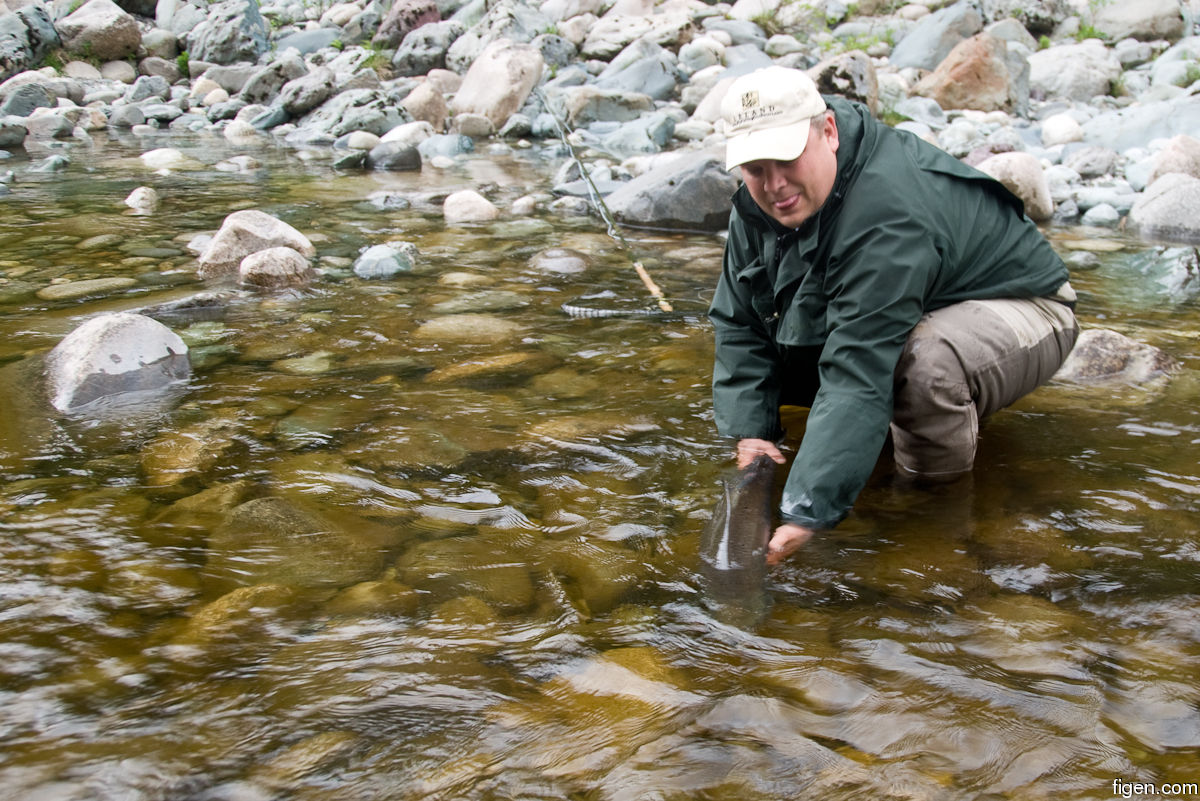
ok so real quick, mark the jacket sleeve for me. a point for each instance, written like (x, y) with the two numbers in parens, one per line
(746, 388)
(876, 288)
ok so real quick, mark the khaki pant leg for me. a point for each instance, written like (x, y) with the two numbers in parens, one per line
(964, 362)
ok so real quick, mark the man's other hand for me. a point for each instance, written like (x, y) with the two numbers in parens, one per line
(786, 540)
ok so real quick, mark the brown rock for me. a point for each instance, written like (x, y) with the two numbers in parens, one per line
(403, 18)
(975, 75)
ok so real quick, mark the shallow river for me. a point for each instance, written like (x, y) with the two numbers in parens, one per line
(364, 554)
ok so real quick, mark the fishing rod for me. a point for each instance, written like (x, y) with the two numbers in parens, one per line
(598, 203)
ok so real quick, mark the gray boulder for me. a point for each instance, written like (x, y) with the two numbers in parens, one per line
(1103, 356)
(690, 192)
(26, 36)
(354, 110)
(301, 95)
(393, 157)
(1124, 128)
(100, 29)
(1073, 71)
(12, 131)
(647, 134)
(178, 16)
(1039, 17)
(556, 51)
(305, 42)
(643, 67)
(448, 145)
(146, 87)
(1169, 209)
(265, 84)
(850, 75)
(1146, 20)
(49, 125)
(231, 31)
(113, 354)
(24, 99)
(583, 105)
(934, 36)
(232, 77)
(425, 48)
(246, 232)
(507, 19)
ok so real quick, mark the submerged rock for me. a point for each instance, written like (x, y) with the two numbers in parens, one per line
(273, 541)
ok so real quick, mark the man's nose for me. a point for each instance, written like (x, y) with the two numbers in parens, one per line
(773, 177)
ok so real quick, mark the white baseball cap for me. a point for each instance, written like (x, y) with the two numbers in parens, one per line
(767, 114)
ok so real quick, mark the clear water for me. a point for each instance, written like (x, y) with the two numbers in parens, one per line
(487, 586)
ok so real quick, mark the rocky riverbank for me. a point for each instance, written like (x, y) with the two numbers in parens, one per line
(1087, 110)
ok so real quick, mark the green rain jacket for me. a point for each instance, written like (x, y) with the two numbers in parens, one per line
(906, 230)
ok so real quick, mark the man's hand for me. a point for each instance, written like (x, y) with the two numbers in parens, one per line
(748, 449)
(786, 540)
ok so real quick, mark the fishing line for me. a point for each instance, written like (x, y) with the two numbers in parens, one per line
(614, 232)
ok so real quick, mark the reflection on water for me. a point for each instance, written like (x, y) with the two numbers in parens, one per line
(371, 554)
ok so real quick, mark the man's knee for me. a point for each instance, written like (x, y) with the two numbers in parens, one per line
(935, 426)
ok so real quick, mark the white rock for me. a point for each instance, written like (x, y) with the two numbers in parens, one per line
(241, 131)
(202, 86)
(1169, 208)
(1060, 129)
(1022, 174)
(217, 95)
(272, 267)
(468, 206)
(164, 158)
(246, 232)
(143, 199)
(499, 81)
(362, 140)
(410, 133)
(113, 354)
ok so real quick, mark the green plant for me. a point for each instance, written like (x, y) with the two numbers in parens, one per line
(1086, 31)
(181, 61)
(1043, 42)
(53, 58)
(1191, 74)
(893, 118)
(379, 60)
(338, 44)
(768, 21)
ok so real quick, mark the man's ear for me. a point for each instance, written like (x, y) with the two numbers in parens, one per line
(831, 131)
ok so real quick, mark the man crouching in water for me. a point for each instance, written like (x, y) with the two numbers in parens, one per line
(877, 280)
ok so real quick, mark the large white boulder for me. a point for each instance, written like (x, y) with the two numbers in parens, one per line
(112, 354)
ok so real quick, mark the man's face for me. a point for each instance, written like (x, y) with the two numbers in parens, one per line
(792, 191)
